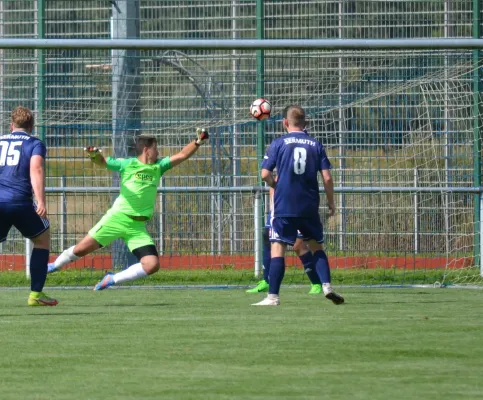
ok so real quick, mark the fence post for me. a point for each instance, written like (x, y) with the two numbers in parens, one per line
(162, 211)
(63, 215)
(480, 233)
(260, 86)
(477, 88)
(125, 100)
(220, 223)
(342, 231)
(235, 133)
(258, 230)
(212, 217)
(40, 70)
(416, 213)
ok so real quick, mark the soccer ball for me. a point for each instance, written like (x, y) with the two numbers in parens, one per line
(261, 109)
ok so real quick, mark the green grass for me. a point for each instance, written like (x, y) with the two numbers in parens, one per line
(230, 276)
(211, 344)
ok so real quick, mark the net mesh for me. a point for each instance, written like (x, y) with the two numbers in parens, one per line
(389, 119)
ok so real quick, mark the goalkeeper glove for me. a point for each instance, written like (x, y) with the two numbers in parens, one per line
(92, 151)
(201, 136)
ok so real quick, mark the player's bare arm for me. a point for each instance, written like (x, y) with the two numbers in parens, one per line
(191, 148)
(329, 190)
(37, 179)
(268, 178)
(95, 154)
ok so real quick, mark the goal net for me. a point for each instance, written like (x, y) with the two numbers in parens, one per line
(399, 128)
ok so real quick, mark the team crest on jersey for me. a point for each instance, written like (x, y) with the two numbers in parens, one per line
(143, 176)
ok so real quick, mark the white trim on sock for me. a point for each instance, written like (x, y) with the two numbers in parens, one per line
(135, 271)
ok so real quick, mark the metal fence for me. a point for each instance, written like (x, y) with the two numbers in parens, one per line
(424, 228)
(388, 118)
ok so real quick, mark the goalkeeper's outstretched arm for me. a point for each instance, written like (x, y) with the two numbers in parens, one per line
(191, 148)
(95, 154)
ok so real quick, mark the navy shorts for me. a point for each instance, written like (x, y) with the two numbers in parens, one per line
(24, 218)
(268, 225)
(288, 229)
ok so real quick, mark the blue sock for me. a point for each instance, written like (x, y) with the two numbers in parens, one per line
(322, 266)
(38, 269)
(277, 272)
(309, 267)
(266, 261)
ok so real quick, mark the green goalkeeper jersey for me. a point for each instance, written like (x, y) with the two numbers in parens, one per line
(139, 184)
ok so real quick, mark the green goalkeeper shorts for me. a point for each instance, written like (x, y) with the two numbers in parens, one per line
(115, 225)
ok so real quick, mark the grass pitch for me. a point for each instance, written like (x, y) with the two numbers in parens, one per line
(211, 344)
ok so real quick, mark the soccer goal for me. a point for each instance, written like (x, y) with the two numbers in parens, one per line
(401, 127)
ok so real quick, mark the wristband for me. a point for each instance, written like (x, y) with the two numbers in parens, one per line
(197, 144)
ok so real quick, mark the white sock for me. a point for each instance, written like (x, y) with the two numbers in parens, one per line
(327, 288)
(66, 257)
(132, 273)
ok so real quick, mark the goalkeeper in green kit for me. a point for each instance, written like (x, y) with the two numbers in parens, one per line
(127, 217)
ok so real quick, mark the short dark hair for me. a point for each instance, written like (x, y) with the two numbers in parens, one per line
(143, 141)
(295, 115)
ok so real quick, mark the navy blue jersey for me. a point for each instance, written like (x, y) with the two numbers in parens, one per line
(299, 158)
(16, 150)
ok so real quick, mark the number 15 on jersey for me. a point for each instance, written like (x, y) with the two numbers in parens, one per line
(9, 154)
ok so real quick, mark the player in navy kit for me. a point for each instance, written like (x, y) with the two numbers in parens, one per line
(298, 159)
(300, 248)
(22, 171)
